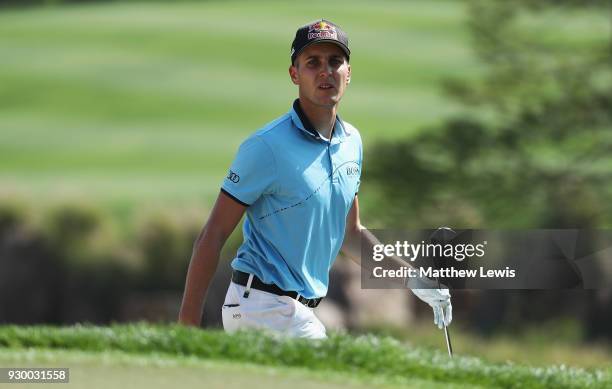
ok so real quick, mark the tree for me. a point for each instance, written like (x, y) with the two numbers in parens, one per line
(534, 148)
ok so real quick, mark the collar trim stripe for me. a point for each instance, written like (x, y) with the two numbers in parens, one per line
(308, 127)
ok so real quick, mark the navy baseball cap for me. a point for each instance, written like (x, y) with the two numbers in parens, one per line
(319, 31)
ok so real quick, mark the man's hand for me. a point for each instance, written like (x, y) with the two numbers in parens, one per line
(438, 299)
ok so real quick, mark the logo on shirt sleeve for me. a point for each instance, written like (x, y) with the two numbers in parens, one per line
(233, 177)
(352, 170)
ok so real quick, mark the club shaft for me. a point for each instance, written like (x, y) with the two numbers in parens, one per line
(449, 346)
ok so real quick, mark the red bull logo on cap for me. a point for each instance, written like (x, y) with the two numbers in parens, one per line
(322, 30)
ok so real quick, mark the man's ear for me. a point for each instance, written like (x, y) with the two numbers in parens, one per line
(293, 73)
(348, 78)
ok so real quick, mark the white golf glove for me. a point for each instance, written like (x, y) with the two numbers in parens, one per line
(438, 299)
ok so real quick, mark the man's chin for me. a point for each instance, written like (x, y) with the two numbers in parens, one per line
(328, 102)
(322, 101)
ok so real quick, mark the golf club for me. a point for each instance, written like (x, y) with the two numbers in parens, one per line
(444, 235)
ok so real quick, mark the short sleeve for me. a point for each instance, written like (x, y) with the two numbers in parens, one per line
(360, 166)
(252, 173)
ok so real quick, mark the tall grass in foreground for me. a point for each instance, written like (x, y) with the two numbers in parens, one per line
(369, 355)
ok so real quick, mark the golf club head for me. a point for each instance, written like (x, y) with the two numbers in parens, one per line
(442, 236)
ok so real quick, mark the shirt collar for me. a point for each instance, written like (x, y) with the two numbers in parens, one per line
(301, 122)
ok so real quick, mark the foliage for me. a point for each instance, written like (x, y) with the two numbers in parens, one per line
(166, 246)
(535, 149)
(12, 215)
(71, 266)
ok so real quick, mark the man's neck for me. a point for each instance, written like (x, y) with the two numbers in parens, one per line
(322, 118)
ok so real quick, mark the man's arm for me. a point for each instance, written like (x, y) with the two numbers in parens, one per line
(351, 246)
(223, 219)
(355, 234)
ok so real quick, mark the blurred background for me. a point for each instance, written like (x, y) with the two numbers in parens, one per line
(119, 119)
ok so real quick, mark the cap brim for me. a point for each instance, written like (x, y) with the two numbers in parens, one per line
(339, 44)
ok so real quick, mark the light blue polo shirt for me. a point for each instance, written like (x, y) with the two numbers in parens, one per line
(299, 189)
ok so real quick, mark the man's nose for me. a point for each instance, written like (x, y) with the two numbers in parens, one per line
(326, 68)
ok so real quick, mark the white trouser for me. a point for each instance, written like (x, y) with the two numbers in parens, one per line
(263, 310)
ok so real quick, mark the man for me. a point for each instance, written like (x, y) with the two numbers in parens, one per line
(297, 179)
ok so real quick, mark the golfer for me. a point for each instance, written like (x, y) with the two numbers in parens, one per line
(297, 179)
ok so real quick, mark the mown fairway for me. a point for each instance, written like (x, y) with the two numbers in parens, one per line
(131, 103)
(120, 370)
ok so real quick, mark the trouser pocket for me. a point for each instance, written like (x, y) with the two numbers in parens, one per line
(231, 315)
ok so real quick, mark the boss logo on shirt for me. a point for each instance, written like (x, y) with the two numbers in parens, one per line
(352, 170)
(233, 177)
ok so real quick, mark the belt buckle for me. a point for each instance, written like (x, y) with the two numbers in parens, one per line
(310, 303)
(303, 300)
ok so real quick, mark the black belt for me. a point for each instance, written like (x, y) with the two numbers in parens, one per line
(241, 278)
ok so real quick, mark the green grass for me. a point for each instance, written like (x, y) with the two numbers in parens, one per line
(119, 369)
(131, 103)
(149, 101)
(366, 358)
(560, 342)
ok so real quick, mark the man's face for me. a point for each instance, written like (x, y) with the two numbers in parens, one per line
(322, 74)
